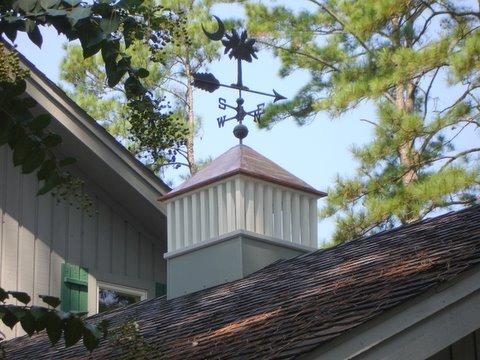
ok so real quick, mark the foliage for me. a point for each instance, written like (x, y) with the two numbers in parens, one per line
(396, 55)
(171, 78)
(129, 343)
(104, 27)
(33, 319)
(32, 144)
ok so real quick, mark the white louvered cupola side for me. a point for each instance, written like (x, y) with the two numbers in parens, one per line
(242, 203)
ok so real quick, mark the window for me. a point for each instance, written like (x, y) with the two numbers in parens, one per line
(115, 296)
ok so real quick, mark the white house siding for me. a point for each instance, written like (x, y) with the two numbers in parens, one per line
(37, 235)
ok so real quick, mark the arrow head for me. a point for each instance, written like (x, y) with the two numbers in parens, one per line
(278, 97)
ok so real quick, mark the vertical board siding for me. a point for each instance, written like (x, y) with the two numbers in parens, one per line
(277, 213)
(268, 211)
(287, 216)
(74, 243)
(239, 204)
(179, 243)
(170, 225)
(305, 220)
(90, 235)
(250, 206)
(38, 234)
(313, 223)
(259, 214)
(187, 221)
(43, 243)
(213, 212)
(222, 209)
(467, 348)
(104, 238)
(296, 231)
(119, 247)
(195, 218)
(230, 205)
(133, 253)
(204, 220)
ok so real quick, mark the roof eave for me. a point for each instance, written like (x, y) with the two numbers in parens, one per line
(241, 171)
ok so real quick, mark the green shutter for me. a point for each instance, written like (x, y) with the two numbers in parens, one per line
(160, 289)
(74, 293)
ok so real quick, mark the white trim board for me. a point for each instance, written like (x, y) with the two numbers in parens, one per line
(415, 330)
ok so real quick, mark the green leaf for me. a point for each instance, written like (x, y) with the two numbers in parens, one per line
(53, 326)
(50, 300)
(52, 140)
(67, 161)
(33, 161)
(56, 12)
(47, 4)
(11, 32)
(72, 2)
(23, 297)
(3, 295)
(45, 171)
(22, 148)
(133, 87)
(78, 14)
(35, 36)
(18, 88)
(73, 331)
(25, 5)
(9, 319)
(142, 73)
(30, 25)
(38, 312)
(40, 123)
(109, 25)
(91, 336)
(28, 323)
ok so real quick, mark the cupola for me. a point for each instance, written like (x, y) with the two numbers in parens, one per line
(237, 215)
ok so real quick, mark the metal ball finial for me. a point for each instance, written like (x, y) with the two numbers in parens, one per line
(240, 131)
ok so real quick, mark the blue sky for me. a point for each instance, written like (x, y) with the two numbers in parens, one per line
(315, 152)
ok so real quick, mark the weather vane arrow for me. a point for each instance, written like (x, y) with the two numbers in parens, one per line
(241, 48)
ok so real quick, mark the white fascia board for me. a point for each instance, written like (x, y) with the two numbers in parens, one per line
(95, 137)
(415, 330)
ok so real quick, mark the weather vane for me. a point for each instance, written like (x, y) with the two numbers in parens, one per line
(241, 48)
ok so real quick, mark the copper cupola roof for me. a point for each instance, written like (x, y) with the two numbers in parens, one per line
(242, 159)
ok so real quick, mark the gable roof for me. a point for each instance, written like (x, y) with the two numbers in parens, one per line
(242, 159)
(100, 157)
(294, 306)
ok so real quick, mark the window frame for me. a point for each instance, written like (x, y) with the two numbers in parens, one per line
(142, 293)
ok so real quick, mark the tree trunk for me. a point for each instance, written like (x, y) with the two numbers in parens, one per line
(191, 121)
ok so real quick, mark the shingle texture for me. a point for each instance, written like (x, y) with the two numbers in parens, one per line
(242, 159)
(295, 305)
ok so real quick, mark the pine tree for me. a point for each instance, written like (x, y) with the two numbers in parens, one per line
(189, 54)
(396, 54)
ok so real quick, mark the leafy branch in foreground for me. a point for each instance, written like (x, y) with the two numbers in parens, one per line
(34, 319)
(106, 27)
(32, 144)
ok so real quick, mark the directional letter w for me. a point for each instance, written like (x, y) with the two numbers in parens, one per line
(221, 121)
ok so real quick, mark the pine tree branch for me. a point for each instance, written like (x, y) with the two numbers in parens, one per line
(427, 94)
(309, 56)
(457, 156)
(341, 22)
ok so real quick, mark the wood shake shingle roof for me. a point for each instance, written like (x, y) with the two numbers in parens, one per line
(293, 306)
(242, 159)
